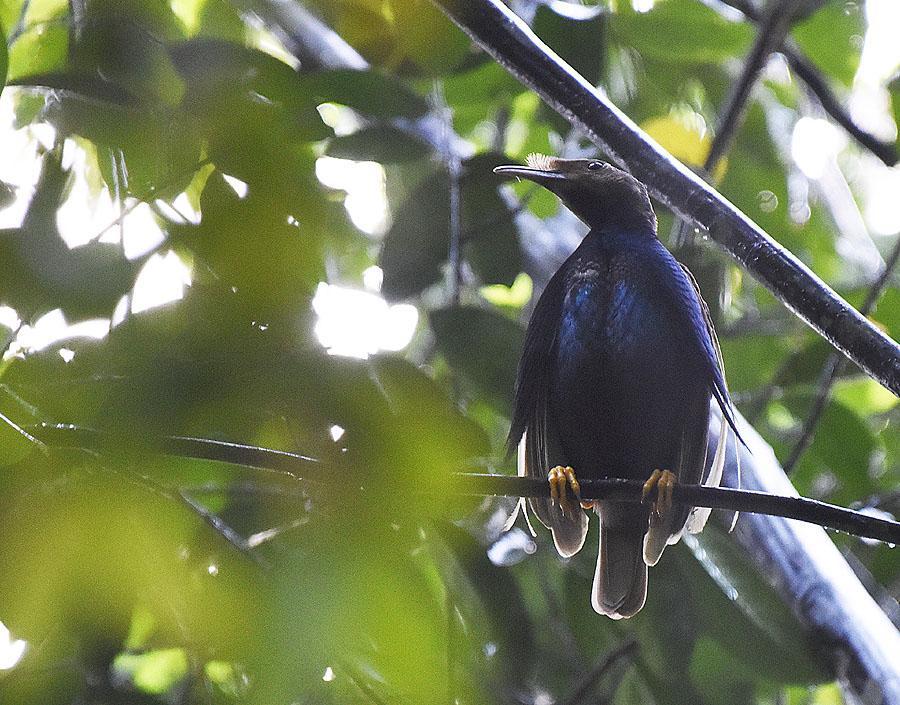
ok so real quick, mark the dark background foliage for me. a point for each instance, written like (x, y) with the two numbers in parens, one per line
(137, 577)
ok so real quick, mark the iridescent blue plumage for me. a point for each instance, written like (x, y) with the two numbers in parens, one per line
(619, 366)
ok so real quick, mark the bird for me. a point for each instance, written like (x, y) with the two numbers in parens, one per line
(619, 376)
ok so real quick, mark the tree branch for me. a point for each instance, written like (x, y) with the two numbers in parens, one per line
(514, 45)
(807, 72)
(770, 34)
(467, 483)
(588, 684)
(834, 365)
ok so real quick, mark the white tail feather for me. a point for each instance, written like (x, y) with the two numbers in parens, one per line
(699, 515)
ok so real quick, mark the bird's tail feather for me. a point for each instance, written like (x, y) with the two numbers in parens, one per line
(569, 530)
(620, 581)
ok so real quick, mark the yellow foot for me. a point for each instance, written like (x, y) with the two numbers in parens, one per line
(663, 483)
(561, 477)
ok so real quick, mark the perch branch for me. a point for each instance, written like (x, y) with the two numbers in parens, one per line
(509, 40)
(467, 483)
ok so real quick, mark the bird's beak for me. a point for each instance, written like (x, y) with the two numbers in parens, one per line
(540, 176)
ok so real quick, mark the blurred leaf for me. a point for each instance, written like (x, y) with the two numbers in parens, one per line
(775, 642)
(38, 52)
(41, 273)
(832, 38)
(14, 446)
(682, 32)
(515, 296)
(418, 241)
(490, 600)
(4, 59)
(842, 448)
(378, 143)
(483, 346)
(155, 671)
(425, 36)
(369, 92)
(683, 141)
(576, 34)
(127, 52)
(894, 93)
(864, 396)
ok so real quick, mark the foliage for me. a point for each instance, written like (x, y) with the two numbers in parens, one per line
(140, 578)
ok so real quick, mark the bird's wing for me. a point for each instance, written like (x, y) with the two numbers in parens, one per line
(684, 293)
(697, 326)
(532, 431)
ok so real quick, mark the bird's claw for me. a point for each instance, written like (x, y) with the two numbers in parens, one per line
(662, 483)
(560, 479)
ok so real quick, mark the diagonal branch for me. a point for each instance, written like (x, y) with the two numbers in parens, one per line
(770, 34)
(834, 365)
(509, 40)
(807, 72)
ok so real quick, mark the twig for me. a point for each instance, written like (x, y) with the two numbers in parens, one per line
(509, 40)
(834, 365)
(589, 682)
(807, 72)
(770, 34)
(615, 490)
(453, 164)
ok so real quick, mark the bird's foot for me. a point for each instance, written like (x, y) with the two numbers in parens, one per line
(662, 482)
(560, 479)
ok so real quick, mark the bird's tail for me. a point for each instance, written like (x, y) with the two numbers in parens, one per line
(620, 581)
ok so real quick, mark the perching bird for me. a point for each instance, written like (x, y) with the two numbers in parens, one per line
(616, 378)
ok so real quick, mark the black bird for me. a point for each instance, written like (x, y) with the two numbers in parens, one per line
(616, 379)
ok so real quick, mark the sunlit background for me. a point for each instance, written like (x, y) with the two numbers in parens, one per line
(356, 321)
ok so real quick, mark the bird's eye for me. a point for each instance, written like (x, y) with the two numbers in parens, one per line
(595, 166)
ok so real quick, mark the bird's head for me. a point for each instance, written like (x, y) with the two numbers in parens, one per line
(601, 195)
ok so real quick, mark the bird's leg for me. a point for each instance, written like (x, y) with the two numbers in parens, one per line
(663, 483)
(560, 478)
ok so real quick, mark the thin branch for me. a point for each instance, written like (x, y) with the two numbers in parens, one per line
(770, 35)
(834, 365)
(509, 40)
(615, 490)
(592, 678)
(454, 167)
(618, 490)
(807, 72)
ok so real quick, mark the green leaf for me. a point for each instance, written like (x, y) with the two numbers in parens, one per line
(418, 241)
(576, 33)
(427, 37)
(832, 38)
(481, 345)
(369, 92)
(378, 143)
(680, 32)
